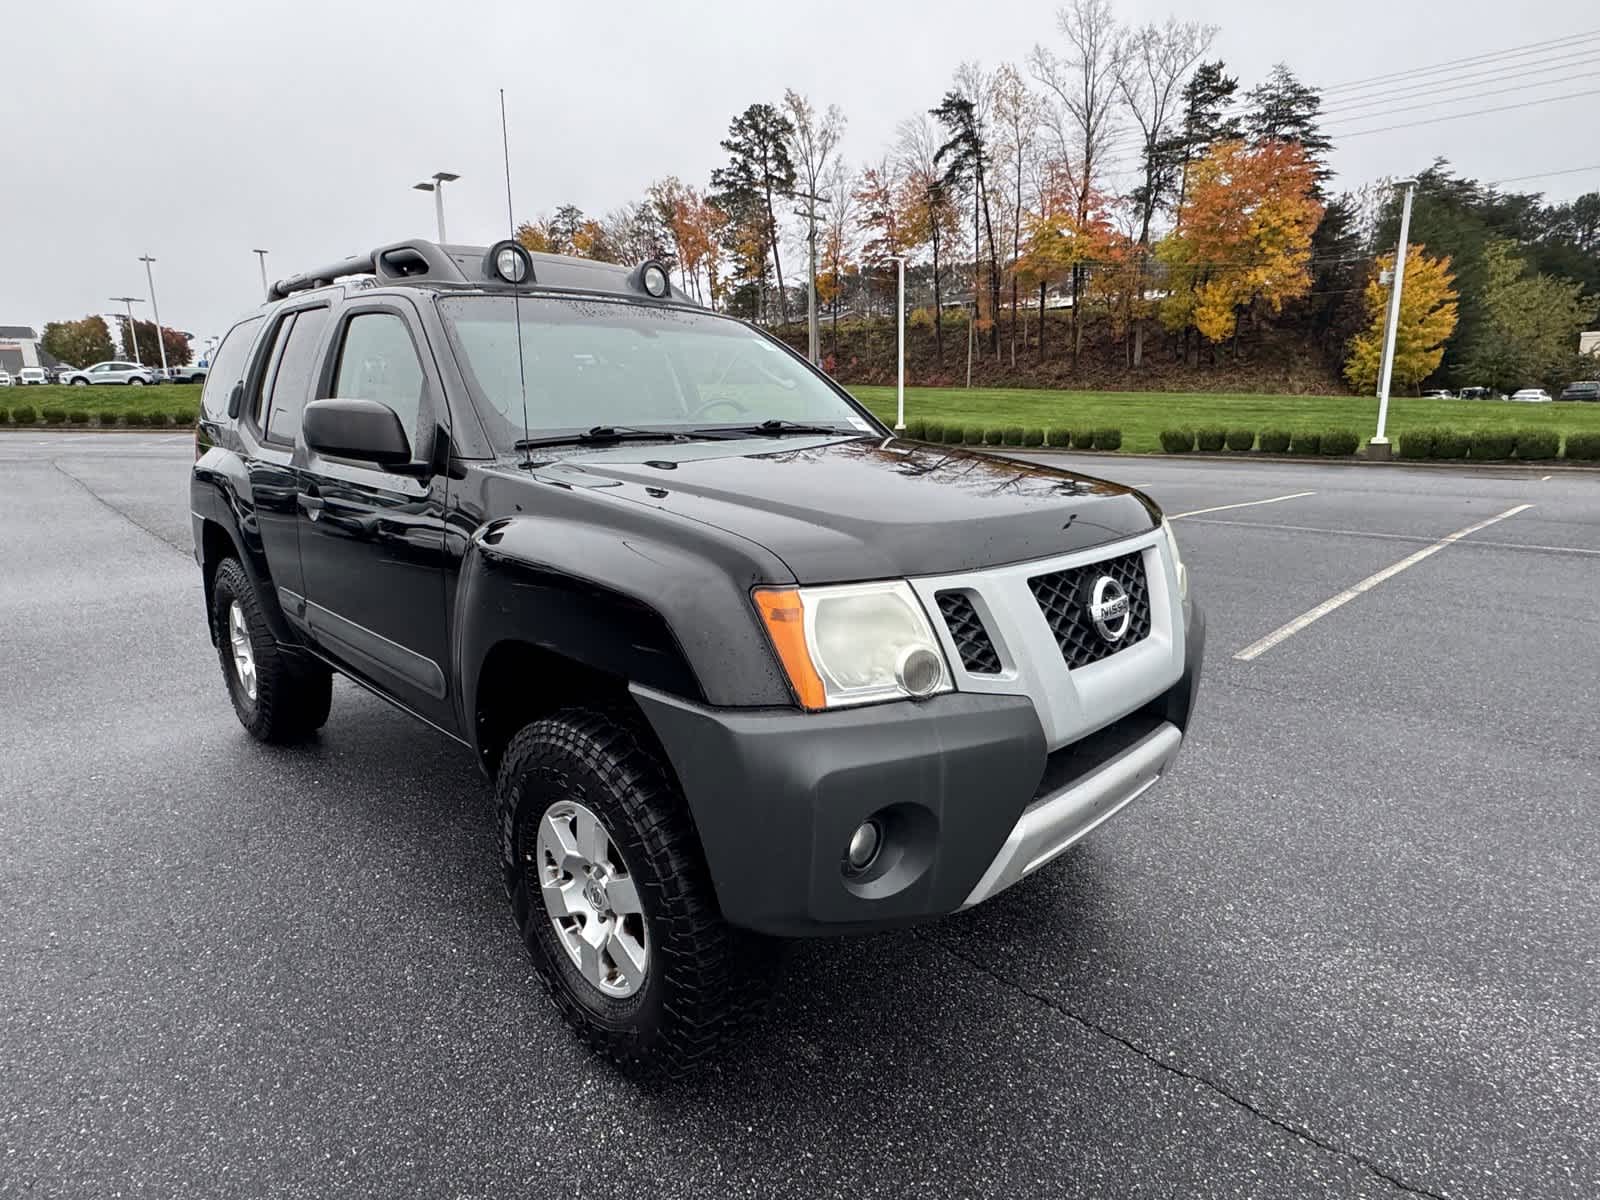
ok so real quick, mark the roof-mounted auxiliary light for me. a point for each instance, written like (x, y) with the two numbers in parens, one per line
(654, 279)
(510, 262)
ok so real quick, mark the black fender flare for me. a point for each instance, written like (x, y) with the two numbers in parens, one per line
(219, 495)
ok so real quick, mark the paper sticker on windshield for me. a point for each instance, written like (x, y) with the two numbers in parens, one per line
(860, 424)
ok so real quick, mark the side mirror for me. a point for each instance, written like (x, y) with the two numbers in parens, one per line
(360, 429)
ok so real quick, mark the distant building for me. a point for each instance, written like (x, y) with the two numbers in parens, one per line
(19, 347)
(1589, 343)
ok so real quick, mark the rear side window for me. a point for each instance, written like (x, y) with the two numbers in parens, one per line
(227, 368)
(291, 382)
(378, 362)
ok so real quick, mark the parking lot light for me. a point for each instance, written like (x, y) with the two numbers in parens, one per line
(161, 342)
(261, 257)
(1378, 447)
(133, 331)
(440, 178)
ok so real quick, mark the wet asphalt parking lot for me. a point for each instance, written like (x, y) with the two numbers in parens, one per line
(1351, 947)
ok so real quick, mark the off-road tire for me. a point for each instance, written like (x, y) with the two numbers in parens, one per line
(706, 981)
(292, 694)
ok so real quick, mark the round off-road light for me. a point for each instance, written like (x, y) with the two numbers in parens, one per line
(654, 278)
(919, 670)
(509, 261)
(863, 847)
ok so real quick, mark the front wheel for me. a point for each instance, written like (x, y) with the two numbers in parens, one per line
(135, 383)
(277, 697)
(611, 895)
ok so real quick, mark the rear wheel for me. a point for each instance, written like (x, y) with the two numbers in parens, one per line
(611, 895)
(80, 383)
(136, 382)
(278, 697)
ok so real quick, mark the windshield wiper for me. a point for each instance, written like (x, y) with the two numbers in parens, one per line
(777, 426)
(599, 434)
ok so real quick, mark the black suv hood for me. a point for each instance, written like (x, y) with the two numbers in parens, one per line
(865, 509)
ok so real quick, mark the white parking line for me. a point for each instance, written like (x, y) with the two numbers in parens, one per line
(1375, 535)
(1242, 504)
(1284, 632)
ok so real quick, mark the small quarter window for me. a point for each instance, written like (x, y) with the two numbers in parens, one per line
(227, 368)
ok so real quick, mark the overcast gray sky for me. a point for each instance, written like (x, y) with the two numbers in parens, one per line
(195, 132)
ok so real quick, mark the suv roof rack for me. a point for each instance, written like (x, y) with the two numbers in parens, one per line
(419, 261)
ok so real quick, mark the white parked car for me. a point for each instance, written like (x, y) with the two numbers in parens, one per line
(5, 378)
(1532, 396)
(111, 372)
(31, 375)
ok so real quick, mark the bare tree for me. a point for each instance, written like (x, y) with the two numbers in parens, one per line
(917, 148)
(1157, 62)
(1084, 84)
(812, 142)
(1016, 117)
(840, 234)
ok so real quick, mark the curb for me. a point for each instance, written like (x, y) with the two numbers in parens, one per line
(67, 427)
(1300, 460)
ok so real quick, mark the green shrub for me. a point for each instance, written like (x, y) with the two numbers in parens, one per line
(133, 419)
(53, 416)
(5, 417)
(1305, 443)
(1275, 441)
(1491, 444)
(993, 437)
(1083, 439)
(1013, 435)
(1177, 441)
(1450, 444)
(1340, 443)
(1058, 437)
(1108, 439)
(1583, 447)
(974, 435)
(916, 428)
(1419, 443)
(107, 416)
(1210, 440)
(1033, 437)
(933, 431)
(1538, 443)
(23, 414)
(78, 416)
(1241, 439)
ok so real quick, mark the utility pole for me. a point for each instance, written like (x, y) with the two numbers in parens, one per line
(161, 342)
(1378, 447)
(809, 212)
(440, 178)
(900, 347)
(133, 330)
(261, 257)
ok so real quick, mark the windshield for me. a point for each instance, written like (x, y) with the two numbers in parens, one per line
(604, 363)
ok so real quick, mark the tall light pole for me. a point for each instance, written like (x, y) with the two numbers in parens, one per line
(1378, 447)
(161, 342)
(900, 347)
(133, 330)
(440, 178)
(261, 257)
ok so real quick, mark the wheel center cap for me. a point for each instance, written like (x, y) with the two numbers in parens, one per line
(595, 893)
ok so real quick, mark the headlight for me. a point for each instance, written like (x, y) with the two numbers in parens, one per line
(1177, 560)
(854, 643)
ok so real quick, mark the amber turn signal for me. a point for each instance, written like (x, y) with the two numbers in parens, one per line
(783, 613)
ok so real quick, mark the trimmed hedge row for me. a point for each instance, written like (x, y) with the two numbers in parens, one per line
(25, 414)
(1013, 435)
(1489, 445)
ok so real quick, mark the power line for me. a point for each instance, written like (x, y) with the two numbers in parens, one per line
(1493, 55)
(1541, 175)
(1459, 99)
(1580, 57)
(1461, 116)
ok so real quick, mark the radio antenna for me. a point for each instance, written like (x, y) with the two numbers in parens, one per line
(516, 288)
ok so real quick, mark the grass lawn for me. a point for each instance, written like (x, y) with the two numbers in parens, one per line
(1143, 415)
(163, 399)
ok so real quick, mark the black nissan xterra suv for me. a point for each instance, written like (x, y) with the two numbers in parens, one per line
(742, 664)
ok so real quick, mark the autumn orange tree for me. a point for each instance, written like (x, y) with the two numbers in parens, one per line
(1243, 236)
(1427, 319)
(1060, 244)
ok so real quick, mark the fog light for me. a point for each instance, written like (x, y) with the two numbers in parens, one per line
(863, 846)
(654, 278)
(919, 670)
